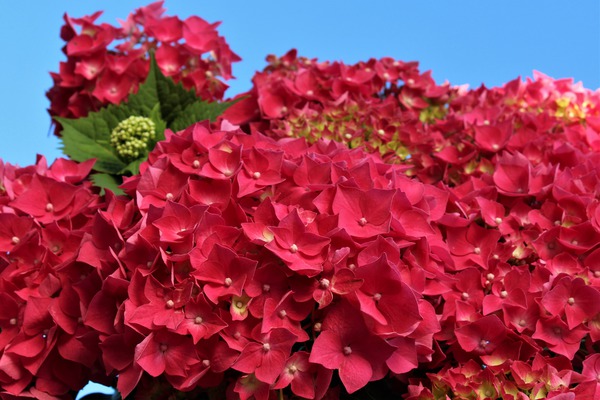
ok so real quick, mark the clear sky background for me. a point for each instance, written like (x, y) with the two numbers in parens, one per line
(470, 41)
(463, 41)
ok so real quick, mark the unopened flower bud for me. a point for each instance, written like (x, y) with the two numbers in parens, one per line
(131, 137)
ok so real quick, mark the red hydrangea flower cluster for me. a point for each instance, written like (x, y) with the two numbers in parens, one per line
(391, 107)
(381, 104)
(278, 261)
(106, 63)
(519, 164)
(45, 284)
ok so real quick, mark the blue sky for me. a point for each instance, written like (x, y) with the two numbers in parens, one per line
(469, 41)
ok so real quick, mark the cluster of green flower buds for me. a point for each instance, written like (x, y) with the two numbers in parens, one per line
(131, 137)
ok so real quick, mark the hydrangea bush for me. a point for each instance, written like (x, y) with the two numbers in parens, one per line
(340, 232)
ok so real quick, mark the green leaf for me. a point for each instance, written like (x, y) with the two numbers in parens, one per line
(160, 125)
(99, 125)
(198, 111)
(159, 89)
(133, 167)
(95, 129)
(146, 97)
(89, 137)
(81, 147)
(173, 98)
(106, 181)
(113, 115)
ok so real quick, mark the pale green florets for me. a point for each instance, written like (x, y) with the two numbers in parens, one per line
(131, 137)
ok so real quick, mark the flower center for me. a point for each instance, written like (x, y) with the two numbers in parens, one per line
(362, 221)
(293, 248)
(198, 320)
(347, 350)
(571, 301)
(557, 331)
(256, 175)
(228, 281)
(49, 207)
(170, 303)
(266, 347)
